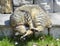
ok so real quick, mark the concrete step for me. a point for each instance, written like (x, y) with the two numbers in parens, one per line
(5, 29)
(4, 19)
(47, 5)
(55, 30)
(55, 18)
(22, 2)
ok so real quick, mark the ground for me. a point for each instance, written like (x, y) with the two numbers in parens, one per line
(47, 41)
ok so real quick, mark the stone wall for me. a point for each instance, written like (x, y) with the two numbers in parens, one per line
(47, 5)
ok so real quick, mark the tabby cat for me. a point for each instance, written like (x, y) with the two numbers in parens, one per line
(29, 19)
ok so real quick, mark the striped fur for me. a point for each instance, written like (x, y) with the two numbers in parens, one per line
(6, 6)
(33, 15)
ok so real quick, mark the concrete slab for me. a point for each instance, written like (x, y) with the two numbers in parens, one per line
(21, 2)
(47, 5)
(55, 18)
(5, 31)
(55, 32)
(4, 19)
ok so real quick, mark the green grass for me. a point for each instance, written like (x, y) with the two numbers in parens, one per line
(47, 41)
(6, 42)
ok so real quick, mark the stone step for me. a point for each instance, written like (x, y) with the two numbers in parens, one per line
(47, 5)
(4, 19)
(22, 2)
(55, 30)
(5, 29)
(55, 18)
